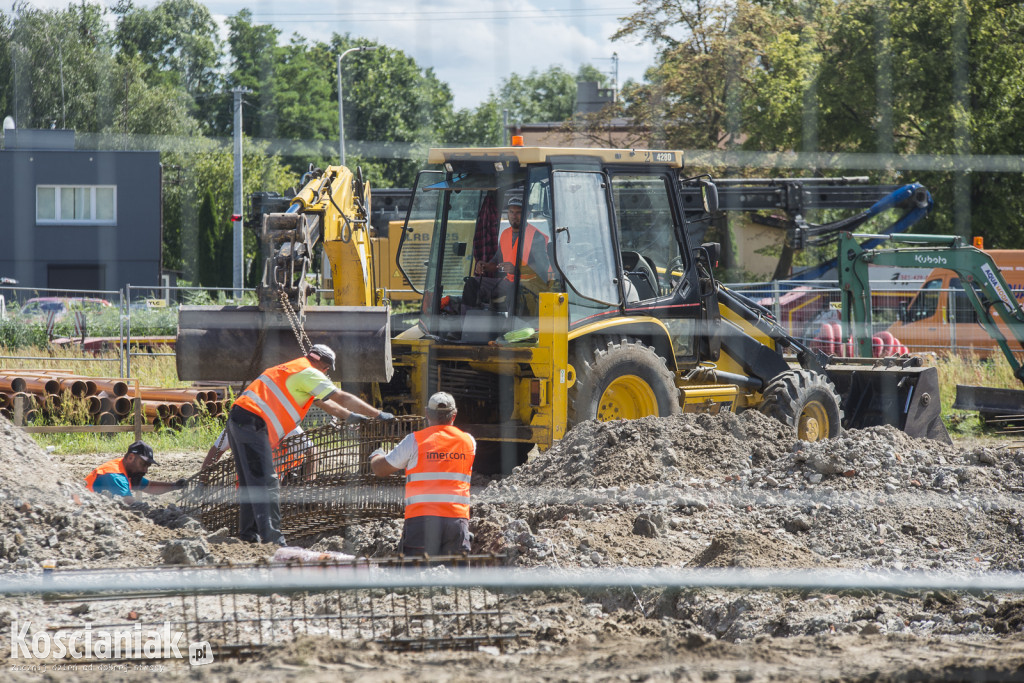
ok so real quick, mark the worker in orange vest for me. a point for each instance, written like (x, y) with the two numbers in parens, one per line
(535, 248)
(127, 474)
(266, 411)
(438, 462)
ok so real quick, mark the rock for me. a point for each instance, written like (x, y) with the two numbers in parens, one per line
(185, 552)
(798, 524)
(643, 525)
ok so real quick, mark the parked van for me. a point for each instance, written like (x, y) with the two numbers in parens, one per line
(940, 317)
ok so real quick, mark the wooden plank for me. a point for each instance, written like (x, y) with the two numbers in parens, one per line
(100, 429)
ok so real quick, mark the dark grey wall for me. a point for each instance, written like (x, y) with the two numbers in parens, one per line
(128, 252)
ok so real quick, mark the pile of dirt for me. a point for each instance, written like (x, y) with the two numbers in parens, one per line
(696, 491)
(47, 514)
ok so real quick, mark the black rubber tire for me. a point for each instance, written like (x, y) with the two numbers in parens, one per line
(626, 360)
(795, 396)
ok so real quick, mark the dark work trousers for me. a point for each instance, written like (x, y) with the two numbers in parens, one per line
(259, 490)
(429, 535)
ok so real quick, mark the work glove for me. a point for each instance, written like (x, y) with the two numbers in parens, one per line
(384, 415)
(375, 453)
(355, 418)
(181, 483)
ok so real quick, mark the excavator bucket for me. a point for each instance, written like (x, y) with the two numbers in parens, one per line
(991, 401)
(897, 394)
(236, 343)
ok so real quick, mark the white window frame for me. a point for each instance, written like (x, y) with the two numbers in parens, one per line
(91, 220)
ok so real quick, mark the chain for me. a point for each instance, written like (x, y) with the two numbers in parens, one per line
(300, 332)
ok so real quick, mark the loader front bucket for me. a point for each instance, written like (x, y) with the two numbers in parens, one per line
(879, 394)
(237, 343)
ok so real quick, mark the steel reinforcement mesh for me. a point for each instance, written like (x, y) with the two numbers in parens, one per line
(326, 482)
(240, 621)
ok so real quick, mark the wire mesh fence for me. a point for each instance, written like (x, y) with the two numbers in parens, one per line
(325, 477)
(264, 606)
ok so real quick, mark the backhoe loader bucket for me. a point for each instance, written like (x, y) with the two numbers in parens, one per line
(898, 394)
(236, 343)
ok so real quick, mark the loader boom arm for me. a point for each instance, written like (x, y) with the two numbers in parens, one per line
(984, 287)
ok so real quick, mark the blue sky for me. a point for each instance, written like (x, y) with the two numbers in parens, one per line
(471, 44)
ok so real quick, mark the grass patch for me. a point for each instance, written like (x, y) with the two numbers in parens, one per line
(953, 370)
(198, 437)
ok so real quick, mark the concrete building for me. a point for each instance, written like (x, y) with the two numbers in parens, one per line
(78, 219)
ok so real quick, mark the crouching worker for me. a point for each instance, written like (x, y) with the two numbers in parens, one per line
(438, 462)
(127, 474)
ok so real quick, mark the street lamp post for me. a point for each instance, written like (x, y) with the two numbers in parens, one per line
(341, 114)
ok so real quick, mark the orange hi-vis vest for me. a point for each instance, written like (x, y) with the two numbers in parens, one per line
(438, 486)
(508, 244)
(115, 466)
(268, 397)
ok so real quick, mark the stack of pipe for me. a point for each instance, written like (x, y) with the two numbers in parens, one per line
(46, 393)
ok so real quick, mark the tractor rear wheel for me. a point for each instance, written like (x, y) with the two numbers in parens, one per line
(806, 401)
(624, 380)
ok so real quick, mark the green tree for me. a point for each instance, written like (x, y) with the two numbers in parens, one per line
(394, 110)
(55, 67)
(900, 78)
(253, 54)
(694, 94)
(197, 167)
(540, 96)
(208, 244)
(177, 42)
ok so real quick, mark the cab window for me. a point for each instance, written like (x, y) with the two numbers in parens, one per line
(926, 303)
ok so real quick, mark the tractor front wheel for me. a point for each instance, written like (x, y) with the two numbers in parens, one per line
(806, 401)
(624, 380)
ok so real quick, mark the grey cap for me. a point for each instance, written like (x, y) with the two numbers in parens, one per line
(442, 402)
(323, 352)
(514, 200)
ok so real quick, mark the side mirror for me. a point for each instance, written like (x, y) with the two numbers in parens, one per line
(709, 196)
(714, 252)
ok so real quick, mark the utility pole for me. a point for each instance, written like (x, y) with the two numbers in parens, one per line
(236, 217)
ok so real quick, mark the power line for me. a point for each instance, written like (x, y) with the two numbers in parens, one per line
(439, 15)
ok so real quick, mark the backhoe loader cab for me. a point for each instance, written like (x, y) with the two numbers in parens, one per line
(603, 227)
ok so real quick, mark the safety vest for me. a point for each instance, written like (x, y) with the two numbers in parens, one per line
(508, 244)
(438, 486)
(115, 466)
(268, 397)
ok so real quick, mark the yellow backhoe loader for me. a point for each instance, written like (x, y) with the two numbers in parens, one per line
(603, 312)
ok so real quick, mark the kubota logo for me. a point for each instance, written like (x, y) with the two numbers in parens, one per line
(930, 260)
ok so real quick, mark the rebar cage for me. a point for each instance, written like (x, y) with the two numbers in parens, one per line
(326, 482)
(262, 608)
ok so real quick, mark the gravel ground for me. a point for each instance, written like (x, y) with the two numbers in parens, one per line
(687, 492)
